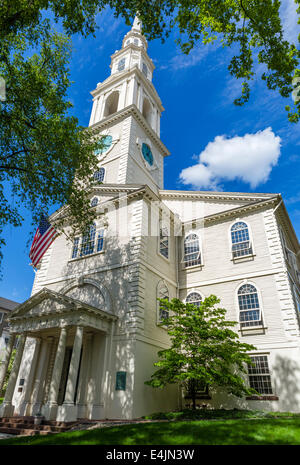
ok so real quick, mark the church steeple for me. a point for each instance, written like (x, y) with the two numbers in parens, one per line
(128, 101)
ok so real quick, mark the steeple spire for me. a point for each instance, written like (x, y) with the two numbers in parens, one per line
(137, 25)
(135, 35)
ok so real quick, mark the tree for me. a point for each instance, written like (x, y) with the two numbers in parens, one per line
(45, 156)
(204, 350)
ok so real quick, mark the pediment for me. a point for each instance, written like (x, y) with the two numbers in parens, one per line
(48, 302)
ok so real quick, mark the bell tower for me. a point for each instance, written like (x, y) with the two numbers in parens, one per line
(127, 110)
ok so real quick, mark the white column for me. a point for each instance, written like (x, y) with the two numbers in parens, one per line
(83, 381)
(74, 365)
(5, 362)
(100, 109)
(7, 409)
(122, 97)
(92, 118)
(50, 409)
(37, 390)
(68, 411)
(132, 93)
(25, 405)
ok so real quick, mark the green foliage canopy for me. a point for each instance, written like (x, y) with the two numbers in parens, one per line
(42, 147)
(45, 156)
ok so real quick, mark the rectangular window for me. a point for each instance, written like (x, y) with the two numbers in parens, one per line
(100, 240)
(259, 375)
(164, 242)
(75, 247)
(1, 317)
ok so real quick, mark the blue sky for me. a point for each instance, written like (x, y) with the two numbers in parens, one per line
(200, 122)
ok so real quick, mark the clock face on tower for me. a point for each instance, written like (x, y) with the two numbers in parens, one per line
(147, 154)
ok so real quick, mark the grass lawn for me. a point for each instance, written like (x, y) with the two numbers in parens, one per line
(264, 431)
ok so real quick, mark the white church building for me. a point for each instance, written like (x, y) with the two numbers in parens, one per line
(89, 334)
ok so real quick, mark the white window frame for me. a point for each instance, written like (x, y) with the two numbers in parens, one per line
(183, 262)
(268, 374)
(161, 225)
(251, 245)
(262, 317)
(98, 230)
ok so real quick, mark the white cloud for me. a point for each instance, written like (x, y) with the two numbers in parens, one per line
(249, 158)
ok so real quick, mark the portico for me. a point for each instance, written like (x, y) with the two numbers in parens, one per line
(70, 345)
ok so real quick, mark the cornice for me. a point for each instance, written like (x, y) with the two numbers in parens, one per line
(210, 195)
(125, 112)
(226, 214)
(288, 226)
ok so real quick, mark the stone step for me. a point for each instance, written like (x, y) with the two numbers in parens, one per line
(25, 426)
(41, 427)
(23, 431)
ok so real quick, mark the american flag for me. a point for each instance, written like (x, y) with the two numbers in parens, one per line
(44, 236)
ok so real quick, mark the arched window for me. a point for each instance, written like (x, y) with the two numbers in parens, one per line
(162, 293)
(90, 243)
(99, 175)
(240, 240)
(192, 255)
(111, 104)
(147, 110)
(194, 298)
(163, 240)
(250, 312)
